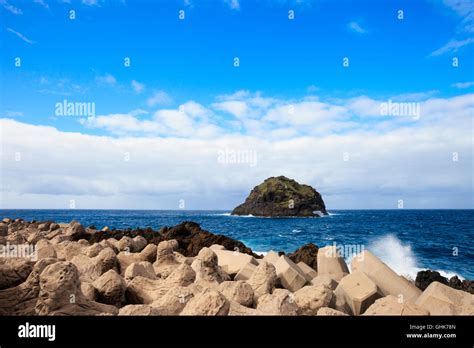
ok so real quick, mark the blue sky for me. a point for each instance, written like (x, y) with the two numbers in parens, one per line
(284, 64)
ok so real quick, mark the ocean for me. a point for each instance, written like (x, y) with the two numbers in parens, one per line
(407, 240)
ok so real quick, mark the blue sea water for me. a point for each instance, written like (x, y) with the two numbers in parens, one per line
(407, 240)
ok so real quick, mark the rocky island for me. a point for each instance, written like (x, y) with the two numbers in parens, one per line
(280, 197)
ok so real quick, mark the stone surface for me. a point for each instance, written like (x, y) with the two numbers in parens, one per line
(142, 269)
(45, 249)
(232, 262)
(390, 305)
(110, 288)
(207, 269)
(174, 300)
(209, 302)
(331, 263)
(387, 281)
(330, 312)
(271, 257)
(13, 271)
(324, 279)
(263, 280)
(308, 254)
(280, 196)
(237, 291)
(291, 276)
(246, 272)
(166, 261)
(280, 302)
(310, 299)
(440, 299)
(308, 272)
(355, 293)
(91, 268)
(139, 309)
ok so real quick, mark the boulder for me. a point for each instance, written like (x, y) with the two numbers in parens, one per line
(89, 291)
(91, 268)
(60, 293)
(263, 280)
(110, 288)
(138, 310)
(311, 298)
(355, 293)
(174, 301)
(330, 312)
(209, 303)
(440, 299)
(291, 276)
(308, 272)
(387, 281)
(271, 257)
(232, 262)
(125, 244)
(307, 254)
(246, 272)
(21, 299)
(324, 279)
(45, 249)
(280, 302)
(237, 309)
(280, 196)
(93, 250)
(166, 262)
(215, 247)
(75, 231)
(207, 269)
(237, 291)
(390, 305)
(425, 278)
(141, 290)
(3, 229)
(139, 243)
(13, 271)
(140, 269)
(331, 263)
(464, 285)
(125, 258)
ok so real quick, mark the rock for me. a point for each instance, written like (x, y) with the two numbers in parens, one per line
(166, 261)
(145, 291)
(307, 254)
(324, 279)
(331, 263)
(308, 272)
(232, 262)
(13, 271)
(21, 299)
(310, 299)
(425, 278)
(291, 276)
(91, 268)
(54, 226)
(110, 288)
(139, 243)
(271, 257)
(140, 269)
(330, 312)
(387, 281)
(390, 305)
(239, 310)
(89, 291)
(75, 231)
(440, 299)
(138, 309)
(263, 280)
(280, 302)
(464, 285)
(280, 196)
(174, 301)
(45, 249)
(125, 244)
(105, 229)
(6, 220)
(67, 250)
(215, 247)
(246, 272)
(237, 291)
(44, 226)
(60, 293)
(355, 293)
(93, 250)
(209, 302)
(3, 229)
(207, 269)
(147, 254)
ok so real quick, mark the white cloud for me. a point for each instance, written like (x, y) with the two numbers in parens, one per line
(137, 86)
(356, 27)
(233, 4)
(11, 8)
(41, 3)
(106, 79)
(463, 84)
(90, 2)
(21, 36)
(159, 98)
(452, 46)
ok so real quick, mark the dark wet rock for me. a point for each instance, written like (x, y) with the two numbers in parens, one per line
(281, 196)
(308, 254)
(425, 278)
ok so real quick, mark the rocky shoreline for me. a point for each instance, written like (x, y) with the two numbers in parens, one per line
(185, 270)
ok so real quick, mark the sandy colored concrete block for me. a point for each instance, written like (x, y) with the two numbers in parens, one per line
(309, 272)
(331, 263)
(271, 257)
(440, 299)
(291, 276)
(324, 279)
(390, 305)
(232, 262)
(388, 282)
(246, 272)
